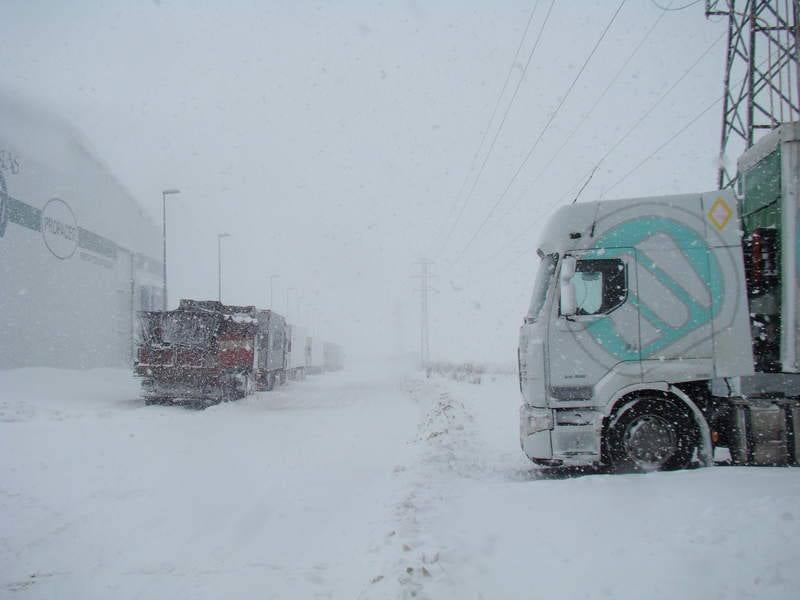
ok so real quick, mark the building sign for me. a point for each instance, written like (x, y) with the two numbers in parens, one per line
(59, 228)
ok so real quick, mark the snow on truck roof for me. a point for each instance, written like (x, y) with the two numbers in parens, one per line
(578, 226)
(787, 132)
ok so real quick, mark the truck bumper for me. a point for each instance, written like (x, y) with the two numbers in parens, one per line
(561, 437)
(155, 389)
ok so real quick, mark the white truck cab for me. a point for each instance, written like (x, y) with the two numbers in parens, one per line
(638, 346)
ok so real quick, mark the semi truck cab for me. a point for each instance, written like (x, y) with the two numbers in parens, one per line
(661, 327)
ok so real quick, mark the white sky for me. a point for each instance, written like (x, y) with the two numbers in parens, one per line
(331, 140)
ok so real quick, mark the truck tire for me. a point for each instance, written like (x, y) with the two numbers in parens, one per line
(651, 435)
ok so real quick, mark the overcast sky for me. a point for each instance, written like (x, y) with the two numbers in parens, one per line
(331, 139)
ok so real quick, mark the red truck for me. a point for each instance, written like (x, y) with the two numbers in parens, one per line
(203, 353)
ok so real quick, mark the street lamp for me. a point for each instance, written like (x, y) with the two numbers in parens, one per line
(272, 278)
(164, 195)
(219, 262)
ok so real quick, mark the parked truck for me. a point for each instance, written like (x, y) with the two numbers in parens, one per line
(297, 352)
(315, 354)
(206, 352)
(272, 350)
(202, 353)
(663, 328)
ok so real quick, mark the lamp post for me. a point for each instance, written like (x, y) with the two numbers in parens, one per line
(272, 278)
(164, 195)
(219, 262)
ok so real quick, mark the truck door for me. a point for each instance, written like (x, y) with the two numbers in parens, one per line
(604, 334)
(675, 300)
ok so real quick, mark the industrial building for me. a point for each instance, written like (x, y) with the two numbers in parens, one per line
(78, 256)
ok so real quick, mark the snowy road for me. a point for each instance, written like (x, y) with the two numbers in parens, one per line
(356, 485)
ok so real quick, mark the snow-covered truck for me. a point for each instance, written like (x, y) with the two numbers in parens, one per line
(271, 358)
(202, 353)
(315, 354)
(296, 361)
(662, 328)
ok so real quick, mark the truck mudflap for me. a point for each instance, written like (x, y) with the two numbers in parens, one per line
(766, 432)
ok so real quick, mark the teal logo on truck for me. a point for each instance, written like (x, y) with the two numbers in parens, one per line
(624, 239)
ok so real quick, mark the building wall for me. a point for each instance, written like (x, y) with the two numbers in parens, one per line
(77, 254)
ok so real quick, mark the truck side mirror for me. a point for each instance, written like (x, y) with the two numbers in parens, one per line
(568, 303)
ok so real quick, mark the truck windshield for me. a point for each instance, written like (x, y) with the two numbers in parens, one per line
(543, 278)
(187, 329)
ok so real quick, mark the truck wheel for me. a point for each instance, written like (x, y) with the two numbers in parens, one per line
(652, 435)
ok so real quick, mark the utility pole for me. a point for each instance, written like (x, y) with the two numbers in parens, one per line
(425, 288)
(219, 264)
(762, 70)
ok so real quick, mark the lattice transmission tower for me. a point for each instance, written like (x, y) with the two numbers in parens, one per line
(762, 72)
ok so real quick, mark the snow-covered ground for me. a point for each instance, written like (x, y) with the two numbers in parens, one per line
(364, 484)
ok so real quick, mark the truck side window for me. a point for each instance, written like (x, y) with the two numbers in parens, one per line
(600, 285)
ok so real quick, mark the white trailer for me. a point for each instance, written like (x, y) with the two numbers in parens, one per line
(661, 328)
(297, 352)
(315, 354)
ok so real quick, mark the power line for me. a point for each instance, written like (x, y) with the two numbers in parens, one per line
(677, 8)
(494, 111)
(675, 135)
(665, 144)
(672, 138)
(499, 130)
(637, 123)
(595, 104)
(578, 127)
(541, 134)
(639, 165)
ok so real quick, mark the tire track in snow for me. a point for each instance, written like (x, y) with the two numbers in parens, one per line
(449, 450)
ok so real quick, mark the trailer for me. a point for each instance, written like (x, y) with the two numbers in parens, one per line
(661, 329)
(202, 353)
(315, 355)
(296, 362)
(272, 354)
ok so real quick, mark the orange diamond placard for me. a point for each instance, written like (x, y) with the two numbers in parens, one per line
(720, 213)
